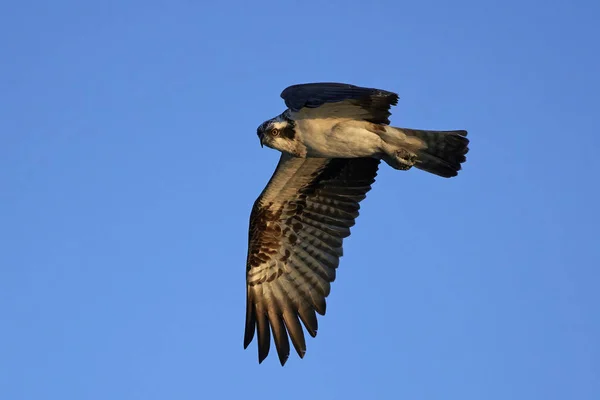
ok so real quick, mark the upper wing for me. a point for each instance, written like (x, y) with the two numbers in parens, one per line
(318, 100)
(295, 240)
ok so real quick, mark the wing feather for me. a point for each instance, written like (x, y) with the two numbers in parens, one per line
(280, 336)
(319, 100)
(297, 226)
(292, 323)
(263, 333)
(308, 316)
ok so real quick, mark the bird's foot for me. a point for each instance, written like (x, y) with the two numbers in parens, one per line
(404, 159)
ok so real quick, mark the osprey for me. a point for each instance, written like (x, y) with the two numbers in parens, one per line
(332, 138)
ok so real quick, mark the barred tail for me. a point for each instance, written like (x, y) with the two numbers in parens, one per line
(445, 151)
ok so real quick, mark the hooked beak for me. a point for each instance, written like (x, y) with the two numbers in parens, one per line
(262, 139)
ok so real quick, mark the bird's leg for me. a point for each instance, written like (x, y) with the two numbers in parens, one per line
(400, 159)
(405, 157)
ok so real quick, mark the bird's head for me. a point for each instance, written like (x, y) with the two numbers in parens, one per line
(277, 133)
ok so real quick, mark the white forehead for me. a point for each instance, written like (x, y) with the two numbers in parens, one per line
(279, 124)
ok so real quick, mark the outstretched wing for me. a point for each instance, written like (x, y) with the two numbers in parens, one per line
(295, 241)
(322, 100)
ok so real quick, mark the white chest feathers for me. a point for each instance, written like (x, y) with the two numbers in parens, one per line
(335, 138)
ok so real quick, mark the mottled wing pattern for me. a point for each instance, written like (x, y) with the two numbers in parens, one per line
(297, 226)
(321, 100)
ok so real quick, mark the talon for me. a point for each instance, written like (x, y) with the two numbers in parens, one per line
(405, 159)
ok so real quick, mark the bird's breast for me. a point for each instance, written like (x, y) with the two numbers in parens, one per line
(337, 138)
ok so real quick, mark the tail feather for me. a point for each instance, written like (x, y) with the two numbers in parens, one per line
(444, 152)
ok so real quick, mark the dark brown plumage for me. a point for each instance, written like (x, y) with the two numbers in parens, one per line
(375, 102)
(445, 151)
(295, 245)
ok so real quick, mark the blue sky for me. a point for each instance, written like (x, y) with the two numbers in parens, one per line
(129, 162)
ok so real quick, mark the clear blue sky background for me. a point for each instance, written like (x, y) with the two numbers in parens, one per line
(129, 162)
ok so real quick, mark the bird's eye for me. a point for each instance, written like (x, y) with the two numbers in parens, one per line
(275, 132)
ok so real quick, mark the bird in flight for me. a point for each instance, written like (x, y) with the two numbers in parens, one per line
(332, 138)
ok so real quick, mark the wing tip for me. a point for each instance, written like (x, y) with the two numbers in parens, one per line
(247, 343)
(262, 357)
(283, 359)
